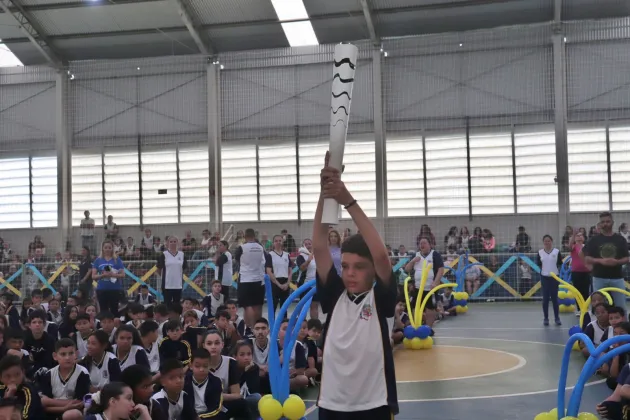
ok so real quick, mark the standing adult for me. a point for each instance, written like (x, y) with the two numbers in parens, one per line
(251, 289)
(111, 228)
(172, 264)
(85, 273)
(109, 270)
(281, 263)
(434, 276)
(223, 272)
(607, 252)
(87, 232)
(580, 272)
(549, 259)
(307, 266)
(334, 244)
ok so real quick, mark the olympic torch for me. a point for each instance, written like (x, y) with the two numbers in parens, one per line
(343, 80)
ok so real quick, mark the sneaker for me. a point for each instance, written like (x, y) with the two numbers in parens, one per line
(558, 322)
(546, 322)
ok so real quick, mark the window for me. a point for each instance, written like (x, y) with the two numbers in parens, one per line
(15, 193)
(159, 175)
(44, 197)
(278, 182)
(87, 187)
(194, 185)
(619, 170)
(535, 155)
(447, 175)
(405, 177)
(238, 183)
(311, 162)
(491, 174)
(359, 175)
(588, 170)
(122, 187)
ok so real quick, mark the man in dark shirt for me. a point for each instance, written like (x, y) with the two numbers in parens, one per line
(607, 253)
(38, 343)
(522, 241)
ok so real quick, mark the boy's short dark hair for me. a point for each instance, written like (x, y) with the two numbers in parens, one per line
(262, 321)
(135, 308)
(604, 305)
(144, 286)
(222, 314)
(605, 214)
(161, 309)
(624, 326)
(250, 233)
(149, 312)
(222, 308)
(225, 244)
(200, 354)
(314, 323)
(616, 310)
(190, 314)
(9, 361)
(231, 302)
(176, 307)
(169, 365)
(355, 244)
(46, 293)
(64, 343)
(147, 328)
(172, 325)
(215, 282)
(37, 315)
(13, 334)
(36, 292)
(106, 315)
(193, 301)
(82, 317)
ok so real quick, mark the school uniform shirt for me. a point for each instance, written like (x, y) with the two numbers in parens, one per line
(57, 317)
(51, 329)
(447, 302)
(227, 372)
(242, 328)
(549, 261)
(260, 356)
(103, 371)
(597, 334)
(181, 409)
(179, 350)
(432, 257)
(281, 264)
(41, 350)
(250, 381)
(73, 387)
(223, 271)
(136, 324)
(360, 320)
(208, 394)
(81, 344)
(149, 299)
(153, 355)
(136, 356)
(211, 303)
(28, 398)
(251, 257)
(311, 347)
(309, 273)
(297, 359)
(172, 267)
(191, 334)
(161, 332)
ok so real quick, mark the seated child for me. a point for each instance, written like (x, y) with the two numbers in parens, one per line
(38, 343)
(140, 380)
(297, 360)
(14, 343)
(115, 401)
(596, 329)
(172, 346)
(54, 312)
(144, 298)
(310, 352)
(15, 387)
(193, 333)
(250, 375)
(260, 356)
(176, 403)
(448, 302)
(106, 321)
(84, 330)
(128, 348)
(212, 302)
(191, 304)
(149, 337)
(137, 312)
(64, 386)
(242, 328)
(160, 316)
(401, 320)
(315, 328)
(615, 407)
(611, 369)
(227, 330)
(205, 388)
(596, 299)
(101, 364)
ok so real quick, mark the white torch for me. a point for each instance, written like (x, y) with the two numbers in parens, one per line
(343, 81)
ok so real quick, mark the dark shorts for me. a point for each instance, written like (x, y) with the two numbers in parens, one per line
(430, 303)
(251, 294)
(379, 413)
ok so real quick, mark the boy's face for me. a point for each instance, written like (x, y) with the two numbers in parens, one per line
(282, 332)
(619, 331)
(83, 325)
(221, 322)
(216, 289)
(137, 316)
(175, 334)
(15, 343)
(187, 305)
(303, 331)
(152, 337)
(173, 381)
(12, 376)
(144, 291)
(602, 315)
(447, 292)
(615, 319)
(200, 368)
(400, 307)
(107, 325)
(261, 330)
(314, 333)
(231, 308)
(66, 357)
(357, 273)
(72, 301)
(36, 326)
(36, 300)
(53, 306)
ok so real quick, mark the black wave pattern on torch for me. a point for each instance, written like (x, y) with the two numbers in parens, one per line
(344, 61)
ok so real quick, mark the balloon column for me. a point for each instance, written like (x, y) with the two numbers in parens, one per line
(598, 356)
(461, 302)
(280, 404)
(418, 336)
(567, 301)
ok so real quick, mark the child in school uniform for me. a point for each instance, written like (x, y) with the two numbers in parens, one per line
(149, 337)
(11, 312)
(128, 348)
(260, 355)
(141, 382)
(54, 312)
(612, 369)
(597, 328)
(106, 322)
(136, 312)
(190, 304)
(250, 375)
(297, 360)
(115, 402)
(160, 316)
(242, 328)
(38, 343)
(205, 388)
(173, 346)
(144, 298)
(212, 302)
(596, 299)
(14, 344)
(101, 364)
(315, 328)
(192, 331)
(228, 333)
(176, 403)
(14, 386)
(64, 386)
(84, 330)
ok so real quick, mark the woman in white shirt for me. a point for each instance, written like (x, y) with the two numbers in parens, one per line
(172, 264)
(549, 259)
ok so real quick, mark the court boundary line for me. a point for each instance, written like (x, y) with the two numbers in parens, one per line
(521, 363)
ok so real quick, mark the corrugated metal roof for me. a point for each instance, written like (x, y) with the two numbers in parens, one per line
(319, 7)
(589, 9)
(9, 27)
(393, 4)
(248, 37)
(212, 12)
(341, 29)
(46, 2)
(90, 20)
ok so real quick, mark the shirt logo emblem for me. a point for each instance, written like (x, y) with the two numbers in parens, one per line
(366, 312)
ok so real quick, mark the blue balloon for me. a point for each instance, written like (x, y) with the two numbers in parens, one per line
(409, 332)
(463, 302)
(423, 332)
(574, 330)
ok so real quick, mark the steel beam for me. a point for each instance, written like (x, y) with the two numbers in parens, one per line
(33, 32)
(379, 135)
(194, 27)
(64, 168)
(369, 21)
(214, 144)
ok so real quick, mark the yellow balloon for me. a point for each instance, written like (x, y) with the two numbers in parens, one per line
(270, 409)
(465, 296)
(407, 343)
(294, 408)
(587, 416)
(463, 309)
(564, 308)
(458, 309)
(572, 308)
(416, 343)
(264, 398)
(569, 418)
(457, 295)
(428, 343)
(570, 295)
(545, 416)
(576, 347)
(562, 294)
(554, 413)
